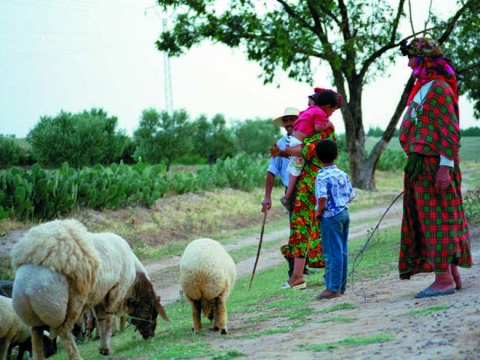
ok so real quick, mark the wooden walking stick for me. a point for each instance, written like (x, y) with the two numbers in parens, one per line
(259, 248)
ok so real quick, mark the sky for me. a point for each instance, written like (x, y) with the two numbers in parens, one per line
(75, 55)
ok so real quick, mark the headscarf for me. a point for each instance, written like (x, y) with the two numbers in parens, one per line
(430, 65)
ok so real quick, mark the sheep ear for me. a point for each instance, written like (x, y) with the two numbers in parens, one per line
(160, 309)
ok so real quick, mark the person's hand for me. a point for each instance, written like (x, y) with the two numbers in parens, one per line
(266, 204)
(442, 179)
(274, 150)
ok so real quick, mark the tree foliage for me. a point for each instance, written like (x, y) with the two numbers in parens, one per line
(212, 140)
(357, 39)
(83, 139)
(10, 152)
(162, 137)
(255, 136)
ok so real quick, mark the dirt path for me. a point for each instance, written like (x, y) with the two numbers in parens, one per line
(269, 257)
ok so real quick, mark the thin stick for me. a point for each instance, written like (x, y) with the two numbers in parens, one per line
(259, 247)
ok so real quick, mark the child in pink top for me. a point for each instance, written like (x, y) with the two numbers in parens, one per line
(310, 121)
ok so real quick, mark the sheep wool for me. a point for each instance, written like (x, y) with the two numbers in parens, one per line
(207, 277)
(11, 329)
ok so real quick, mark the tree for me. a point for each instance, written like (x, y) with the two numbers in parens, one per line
(255, 136)
(357, 39)
(10, 152)
(163, 137)
(83, 139)
(212, 140)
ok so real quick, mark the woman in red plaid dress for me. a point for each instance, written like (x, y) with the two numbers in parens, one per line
(435, 236)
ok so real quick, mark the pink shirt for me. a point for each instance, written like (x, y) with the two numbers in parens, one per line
(308, 118)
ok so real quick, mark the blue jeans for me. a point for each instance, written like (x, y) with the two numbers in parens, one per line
(335, 250)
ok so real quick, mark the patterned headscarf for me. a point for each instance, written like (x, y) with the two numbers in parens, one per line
(421, 46)
(430, 65)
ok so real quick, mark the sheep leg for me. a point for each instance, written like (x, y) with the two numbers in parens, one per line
(70, 345)
(196, 315)
(106, 333)
(123, 323)
(4, 344)
(37, 343)
(89, 324)
(220, 318)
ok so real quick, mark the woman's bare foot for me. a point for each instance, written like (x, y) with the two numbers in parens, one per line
(296, 281)
(444, 281)
(456, 277)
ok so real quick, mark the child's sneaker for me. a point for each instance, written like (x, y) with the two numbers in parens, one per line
(286, 203)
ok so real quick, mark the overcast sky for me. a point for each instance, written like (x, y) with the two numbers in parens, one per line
(79, 54)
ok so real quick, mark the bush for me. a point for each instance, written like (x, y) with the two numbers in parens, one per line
(83, 139)
(10, 152)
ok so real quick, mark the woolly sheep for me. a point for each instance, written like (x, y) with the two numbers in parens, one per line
(24, 344)
(62, 270)
(12, 329)
(207, 276)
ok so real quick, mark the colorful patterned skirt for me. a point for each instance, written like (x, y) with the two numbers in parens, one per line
(305, 240)
(434, 227)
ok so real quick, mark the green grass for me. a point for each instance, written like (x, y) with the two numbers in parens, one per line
(427, 310)
(264, 310)
(352, 341)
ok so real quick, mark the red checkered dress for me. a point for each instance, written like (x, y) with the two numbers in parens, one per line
(434, 227)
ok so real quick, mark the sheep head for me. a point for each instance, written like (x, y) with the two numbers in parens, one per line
(143, 307)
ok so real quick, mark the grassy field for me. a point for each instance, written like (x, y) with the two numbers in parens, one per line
(468, 152)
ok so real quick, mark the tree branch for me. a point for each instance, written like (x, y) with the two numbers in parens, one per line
(468, 68)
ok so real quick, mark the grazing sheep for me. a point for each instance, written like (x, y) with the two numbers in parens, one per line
(207, 276)
(24, 344)
(62, 270)
(12, 329)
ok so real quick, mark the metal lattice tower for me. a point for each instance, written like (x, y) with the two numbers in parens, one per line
(167, 78)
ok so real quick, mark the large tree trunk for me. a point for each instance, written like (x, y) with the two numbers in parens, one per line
(362, 168)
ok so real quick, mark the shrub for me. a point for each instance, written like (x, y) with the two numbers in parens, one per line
(83, 139)
(10, 152)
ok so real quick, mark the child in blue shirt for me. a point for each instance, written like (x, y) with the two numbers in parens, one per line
(334, 193)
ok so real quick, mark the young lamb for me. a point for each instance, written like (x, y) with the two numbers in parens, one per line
(207, 276)
(62, 270)
(12, 329)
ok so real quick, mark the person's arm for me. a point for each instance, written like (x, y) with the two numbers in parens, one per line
(267, 200)
(327, 125)
(321, 202)
(288, 151)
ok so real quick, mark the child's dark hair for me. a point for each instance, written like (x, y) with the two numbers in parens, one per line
(326, 97)
(326, 151)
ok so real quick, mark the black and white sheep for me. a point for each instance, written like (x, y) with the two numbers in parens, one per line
(207, 276)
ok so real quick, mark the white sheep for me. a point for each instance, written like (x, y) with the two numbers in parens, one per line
(12, 329)
(62, 270)
(207, 276)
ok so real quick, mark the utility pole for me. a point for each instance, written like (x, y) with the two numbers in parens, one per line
(167, 77)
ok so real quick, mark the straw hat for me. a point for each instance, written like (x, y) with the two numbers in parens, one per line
(289, 111)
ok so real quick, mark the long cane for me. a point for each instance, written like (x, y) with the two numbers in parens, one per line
(259, 247)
